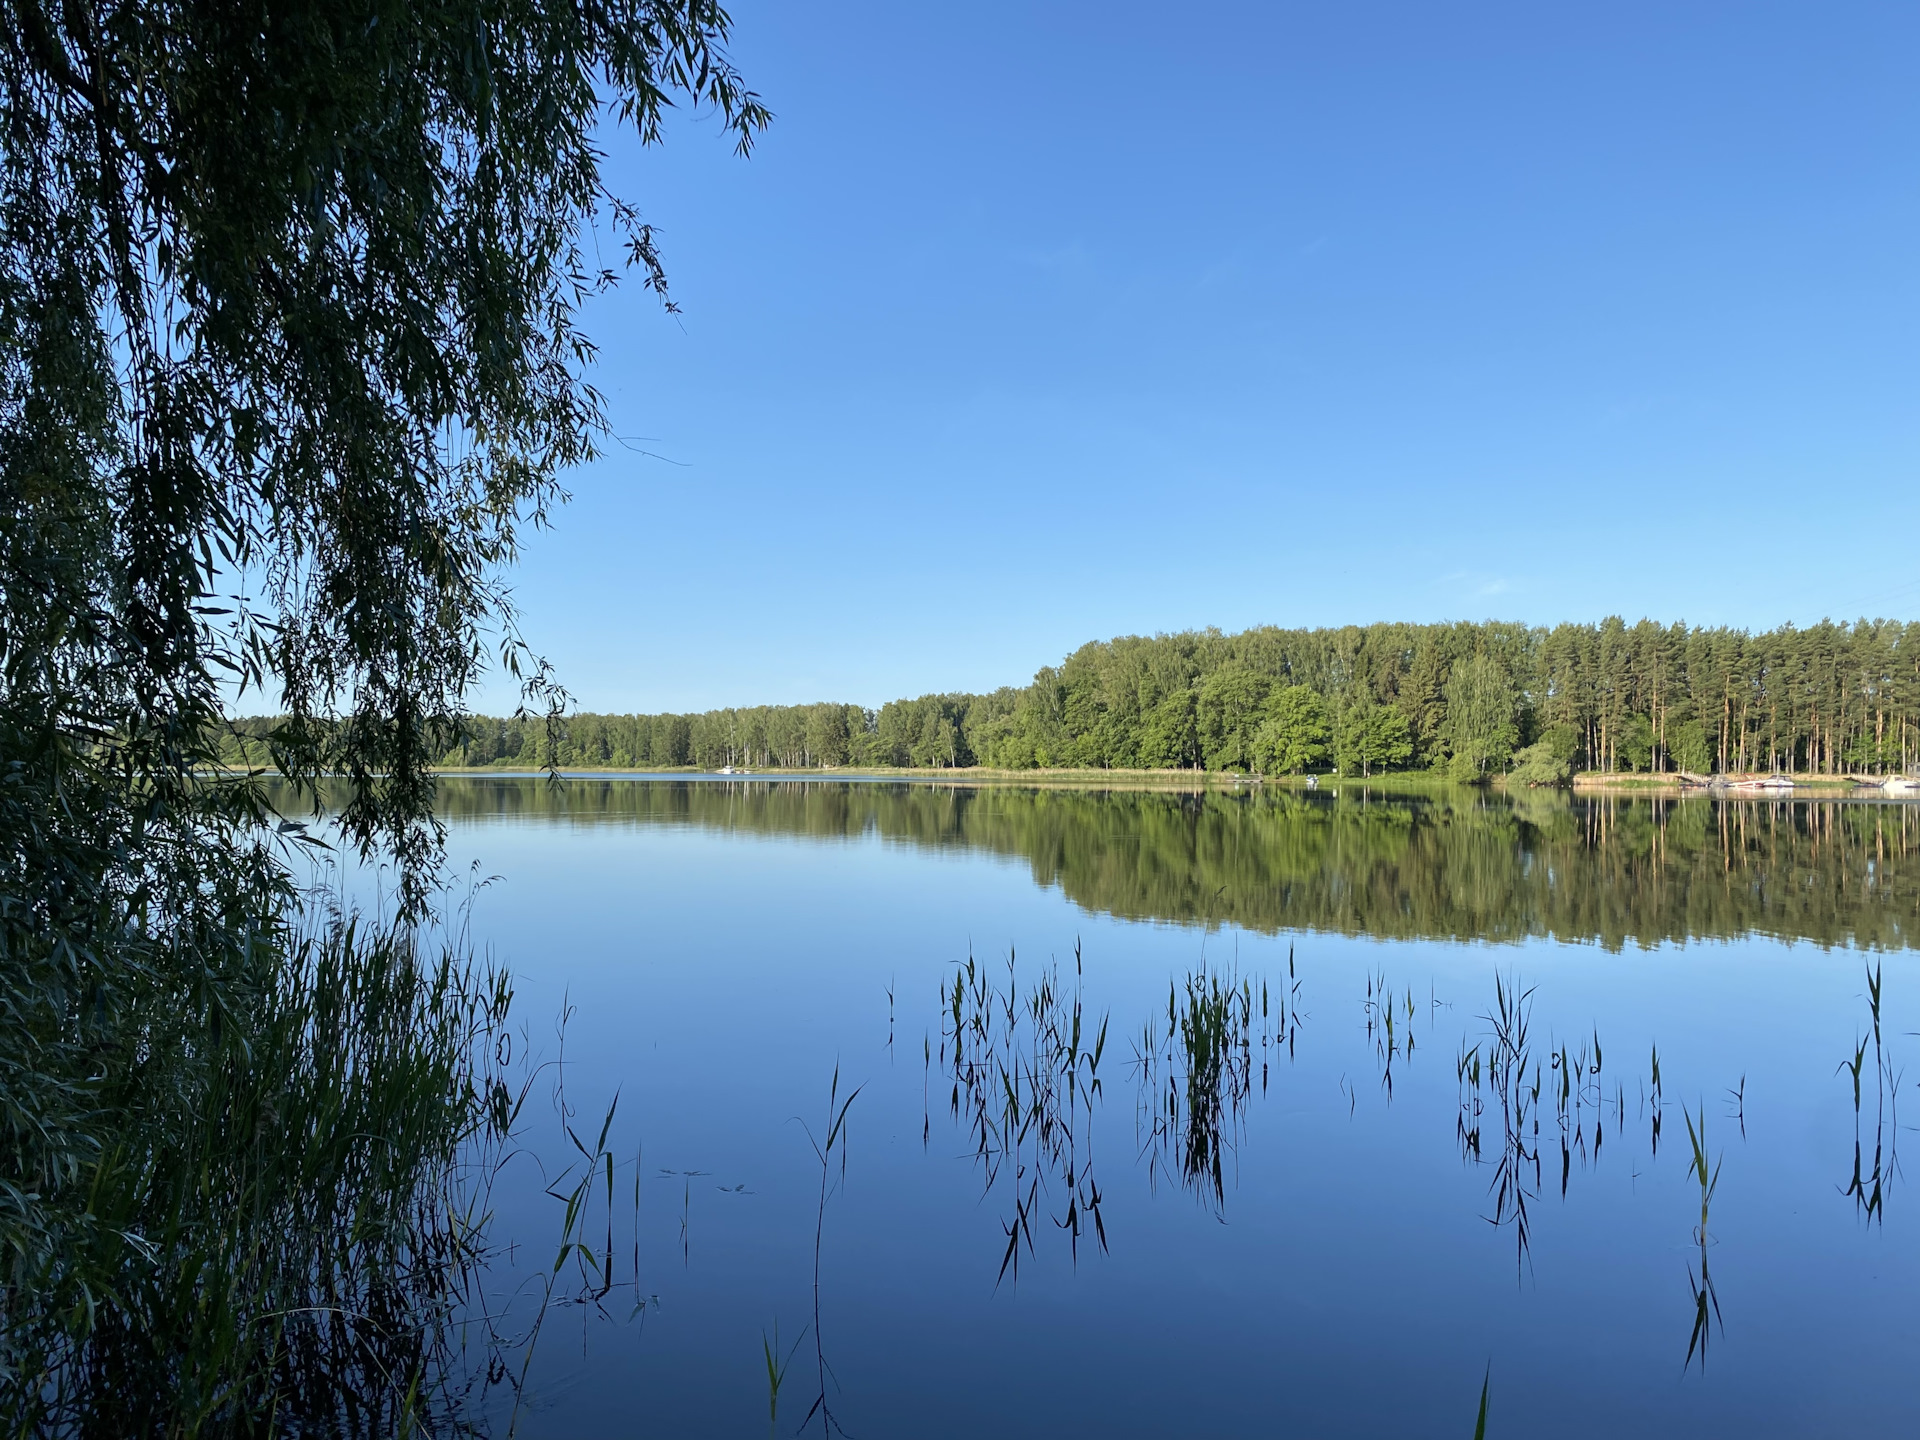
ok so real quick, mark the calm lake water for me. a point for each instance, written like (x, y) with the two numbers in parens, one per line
(1314, 1183)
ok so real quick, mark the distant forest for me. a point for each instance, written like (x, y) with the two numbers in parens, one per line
(1469, 700)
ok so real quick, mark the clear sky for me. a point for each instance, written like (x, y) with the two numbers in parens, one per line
(1030, 324)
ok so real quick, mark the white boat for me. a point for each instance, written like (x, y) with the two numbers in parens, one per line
(1886, 784)
(1760, 785)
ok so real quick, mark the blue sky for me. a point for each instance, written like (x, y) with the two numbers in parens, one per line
(1034, 324)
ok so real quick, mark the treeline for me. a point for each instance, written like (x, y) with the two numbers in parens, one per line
(1467, 699)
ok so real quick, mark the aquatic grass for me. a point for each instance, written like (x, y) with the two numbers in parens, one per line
(1579, 1100)
(832, 1141)
(776, 1373)
(1855, 1067)
(1872, 1181)
(1706, 1300)
(1196, 1078)
(592, 1174)
(1392, 1035)
(1516, 1178)
(1023, 1060)
(290, 1214)
(1467, 1074)
(1659, 1106)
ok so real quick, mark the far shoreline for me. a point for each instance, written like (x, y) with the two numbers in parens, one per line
(1193, 781)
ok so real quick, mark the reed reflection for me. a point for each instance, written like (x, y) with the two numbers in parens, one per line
(1023, 1060)
(1197, 1074)
(1873, 1178)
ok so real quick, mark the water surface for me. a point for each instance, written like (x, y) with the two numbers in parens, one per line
(1314, 1182)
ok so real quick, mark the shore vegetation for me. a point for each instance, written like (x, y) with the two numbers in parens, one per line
(1472, 701)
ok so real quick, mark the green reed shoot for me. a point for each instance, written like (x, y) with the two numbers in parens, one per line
(1195, 1083)
(1873, 1001)
(1391, 1033)
(824, 1150)
(1480, 1425)
(1707, 1176)
(776, 1373)
(1870, 1181)
(1709, 1179)
(1855, 1067)
(1516, 1177)
(243, 1230)
(1025, 1077)
(595, 1271)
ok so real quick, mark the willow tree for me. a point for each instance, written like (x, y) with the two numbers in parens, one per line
(1481, 729)
(290, 354)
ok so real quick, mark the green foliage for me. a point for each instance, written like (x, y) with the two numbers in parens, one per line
(291, 298)
(1481, 725)
(1635, 743)
(288, 301)
(1868, 751)
(1170, 733)
(1689, 748)
(1228, 712)
(1294, 735)
(1562, 742)
(1538, 764)
(1606, 697)
(1372, 737)
(240, 1211)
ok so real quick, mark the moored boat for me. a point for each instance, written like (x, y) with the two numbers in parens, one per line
(1758, 784)
(1886, 784)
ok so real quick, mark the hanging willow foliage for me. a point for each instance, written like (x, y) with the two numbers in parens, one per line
(289, 353)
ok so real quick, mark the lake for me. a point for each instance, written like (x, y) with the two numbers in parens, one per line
(1251, 1113)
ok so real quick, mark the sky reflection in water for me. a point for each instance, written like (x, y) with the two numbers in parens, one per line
(1269, 1115)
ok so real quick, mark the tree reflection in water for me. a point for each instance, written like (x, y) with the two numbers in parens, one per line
(1458, 863)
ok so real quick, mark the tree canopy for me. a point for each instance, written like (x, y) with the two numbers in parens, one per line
(290, 302)
(1610, 697)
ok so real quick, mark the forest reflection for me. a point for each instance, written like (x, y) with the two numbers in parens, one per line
(1458, 865)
